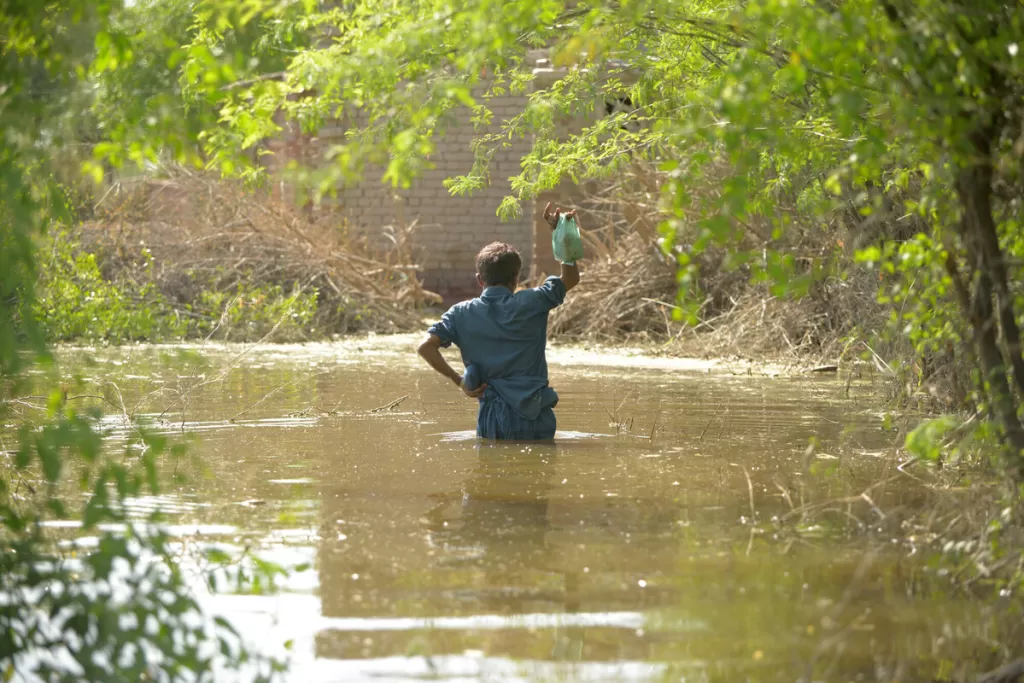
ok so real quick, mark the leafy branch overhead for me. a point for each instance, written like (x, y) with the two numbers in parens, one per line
(768, 121)
(769, 118)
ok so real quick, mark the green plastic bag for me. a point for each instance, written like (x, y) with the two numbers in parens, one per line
(566, 242)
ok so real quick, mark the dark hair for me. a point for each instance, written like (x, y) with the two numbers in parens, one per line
(498, 264)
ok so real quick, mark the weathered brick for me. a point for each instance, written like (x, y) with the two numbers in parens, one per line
(450, 229)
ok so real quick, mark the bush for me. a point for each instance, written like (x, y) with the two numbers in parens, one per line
(75, 301)
(192, 256)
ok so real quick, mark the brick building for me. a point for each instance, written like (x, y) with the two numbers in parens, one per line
(450, 229)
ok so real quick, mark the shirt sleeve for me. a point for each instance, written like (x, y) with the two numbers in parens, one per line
(445, 329)
(550, 294)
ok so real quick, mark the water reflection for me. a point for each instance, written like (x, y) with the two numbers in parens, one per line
(647, 554)
(500, 524)
(506, 489)
(497, 522)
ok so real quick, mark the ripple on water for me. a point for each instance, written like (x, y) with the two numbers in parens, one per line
(644, 555)
(470, 435)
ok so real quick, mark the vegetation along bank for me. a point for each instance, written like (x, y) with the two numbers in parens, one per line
(835, 182)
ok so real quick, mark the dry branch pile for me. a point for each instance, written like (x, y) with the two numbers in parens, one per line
(627, 292)
(630, 287)
(207, 234)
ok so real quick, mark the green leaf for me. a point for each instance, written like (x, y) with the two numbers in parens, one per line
(833, 185)
(49, 457)
(926, 441)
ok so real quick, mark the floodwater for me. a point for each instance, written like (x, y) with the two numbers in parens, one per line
(678, 529)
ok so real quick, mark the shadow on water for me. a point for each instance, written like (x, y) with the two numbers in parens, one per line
(659, 538)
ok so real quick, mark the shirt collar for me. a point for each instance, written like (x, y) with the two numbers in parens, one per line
(496, 292)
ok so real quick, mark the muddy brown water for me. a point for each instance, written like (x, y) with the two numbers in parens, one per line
(655, 540)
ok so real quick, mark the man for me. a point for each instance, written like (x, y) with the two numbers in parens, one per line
(502, 335)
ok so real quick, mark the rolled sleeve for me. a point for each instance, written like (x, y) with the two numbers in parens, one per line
(551, 293)
(445, 329)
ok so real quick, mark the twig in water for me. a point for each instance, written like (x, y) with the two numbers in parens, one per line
(750, 493)
(867, 498)
(19, 402)
(120, 398)
(785, 495)
(334, 408)
(259, 402)
(96, 396)
(1005, 674)
(880, 364)
(223, 317)
(185, 395)
(908, 464)
(704, 431)
(391, 406)
(721, 426)
(835, 640)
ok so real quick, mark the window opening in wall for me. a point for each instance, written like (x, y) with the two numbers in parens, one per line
(623, 105)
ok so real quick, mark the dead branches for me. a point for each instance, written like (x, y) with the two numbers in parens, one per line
(623, 295)
(192, 234)
(630, 286)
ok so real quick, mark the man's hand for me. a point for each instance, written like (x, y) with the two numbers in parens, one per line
(551, 216)
(430, 349)
(475, 393)
(570, 275)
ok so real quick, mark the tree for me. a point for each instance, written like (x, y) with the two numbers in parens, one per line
(80, 74)
(772, 112)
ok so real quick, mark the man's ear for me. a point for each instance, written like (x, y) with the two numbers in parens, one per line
(480, 280)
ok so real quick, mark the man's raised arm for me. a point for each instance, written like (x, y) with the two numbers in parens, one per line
(570, 276)
(570, 273)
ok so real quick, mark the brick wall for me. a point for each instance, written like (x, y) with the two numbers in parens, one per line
(450, 230)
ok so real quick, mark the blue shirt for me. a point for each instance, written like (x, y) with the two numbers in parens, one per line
(504, 336)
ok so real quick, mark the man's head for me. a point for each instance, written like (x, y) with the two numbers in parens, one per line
(498, 264)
